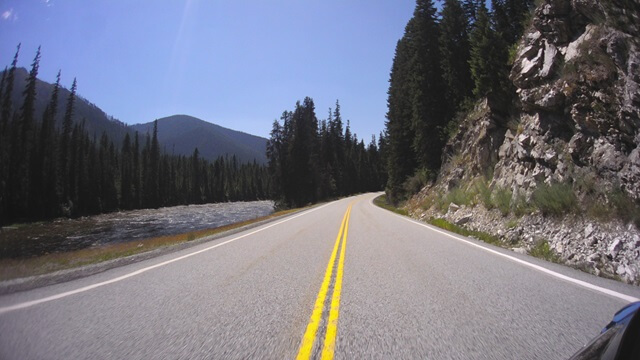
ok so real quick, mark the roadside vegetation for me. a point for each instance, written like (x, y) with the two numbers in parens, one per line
(551, 200)
(581, 198)
(19, 268)
(486, 237)
(384, 203)
(542, 250)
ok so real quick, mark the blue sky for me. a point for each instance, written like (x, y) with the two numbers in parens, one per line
(237, 63)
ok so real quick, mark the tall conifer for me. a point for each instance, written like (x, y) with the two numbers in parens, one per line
(455, 50)
(488, 57)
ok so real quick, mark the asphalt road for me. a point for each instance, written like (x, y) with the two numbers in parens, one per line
(398, 290)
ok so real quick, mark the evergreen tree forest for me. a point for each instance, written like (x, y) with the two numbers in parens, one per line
(48, 171)
(311, 160)
(444, 62)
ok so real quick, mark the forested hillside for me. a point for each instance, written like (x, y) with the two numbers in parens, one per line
(96, 121)
(442, 64)
(48, 170)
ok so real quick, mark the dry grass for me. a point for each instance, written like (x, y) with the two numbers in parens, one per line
(18, 268)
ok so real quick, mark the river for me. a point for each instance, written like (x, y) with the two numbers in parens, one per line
(93, 231)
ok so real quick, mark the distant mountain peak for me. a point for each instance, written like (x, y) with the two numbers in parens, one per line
(181, 134)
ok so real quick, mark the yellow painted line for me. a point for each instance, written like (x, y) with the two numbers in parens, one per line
(306, 347)
(329, 346)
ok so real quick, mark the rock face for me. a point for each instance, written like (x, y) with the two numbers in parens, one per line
(577, 106)
(575, 119)
(577, 80)
(576, 75)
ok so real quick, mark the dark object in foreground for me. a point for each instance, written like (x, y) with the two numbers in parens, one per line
(620, 339)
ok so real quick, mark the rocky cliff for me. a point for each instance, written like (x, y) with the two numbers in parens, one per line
(574, 120)
(577, 75)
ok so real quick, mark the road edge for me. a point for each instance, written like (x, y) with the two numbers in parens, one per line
(524, 260)
(60, 276)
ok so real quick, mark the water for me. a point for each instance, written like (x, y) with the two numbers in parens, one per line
(94, 231)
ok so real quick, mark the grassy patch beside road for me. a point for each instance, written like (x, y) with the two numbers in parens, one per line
(444, 224)
(19, 268)
(541, 250)
(382, 202)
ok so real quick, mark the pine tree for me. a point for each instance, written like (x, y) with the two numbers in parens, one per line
(136, 182)
(44, 175)
(6, 136)
(3, 80)
(7, 109)
(509, 17)
(303, 153)
(427, 88)
(67, 127)
(195, 197)
(154, 164)
(400, 156)
(471, 11)
(126, 174)
(455, 52)
(28, 105)
(337, 144)
(28, 168)
(488, 57)
(274, 156)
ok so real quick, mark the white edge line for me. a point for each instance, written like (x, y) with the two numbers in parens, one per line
(520, 261)
(140, 271)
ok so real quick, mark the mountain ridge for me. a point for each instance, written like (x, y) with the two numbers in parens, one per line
(212, 140)
(180, 134)
(96, 120)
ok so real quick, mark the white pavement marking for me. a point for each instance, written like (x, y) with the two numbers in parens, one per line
(140, 271)
(522, 262)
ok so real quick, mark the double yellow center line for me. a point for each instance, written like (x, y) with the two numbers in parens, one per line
(328, 348)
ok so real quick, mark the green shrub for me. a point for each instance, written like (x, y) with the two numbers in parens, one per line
(625, 208)
(484, 193)
(383, 202)
(513, 51)
(428, 202)
(598, 209)
(555, 199)
(458, 196)
(502, 200)
(522, 207)
(415, 183)
(542, 250)
(444, 224)
(441, 202)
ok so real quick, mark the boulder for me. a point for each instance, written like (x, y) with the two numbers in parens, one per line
(520, 250)
(453, 208)
(605, 157)
(614, 248)
(465, 219)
